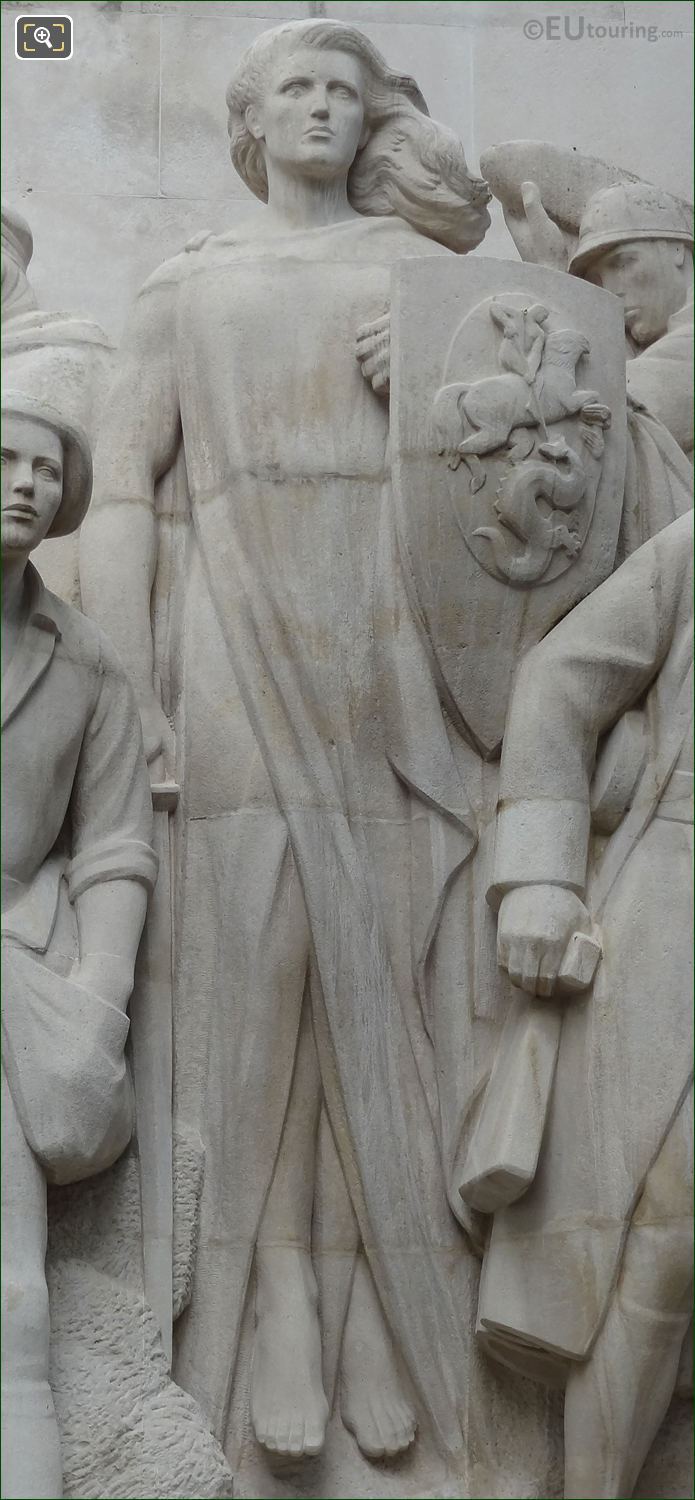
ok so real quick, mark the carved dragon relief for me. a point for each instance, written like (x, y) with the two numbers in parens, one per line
(539, 497)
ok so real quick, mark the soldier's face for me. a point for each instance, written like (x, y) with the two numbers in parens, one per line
(32, 483)
(311, 117)
(645, 275)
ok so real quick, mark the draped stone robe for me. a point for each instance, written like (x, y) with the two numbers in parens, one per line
(290, 811)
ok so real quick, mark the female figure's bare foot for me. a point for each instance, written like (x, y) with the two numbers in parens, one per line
(373, 1406)
(289, 1410)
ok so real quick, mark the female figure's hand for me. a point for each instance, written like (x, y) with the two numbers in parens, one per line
(374, 353)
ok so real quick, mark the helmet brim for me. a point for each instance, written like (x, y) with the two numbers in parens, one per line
(595, 245)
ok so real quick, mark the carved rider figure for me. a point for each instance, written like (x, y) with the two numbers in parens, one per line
(77, 864)
(634, 239)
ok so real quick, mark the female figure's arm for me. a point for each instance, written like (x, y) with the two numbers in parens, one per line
(138, 439)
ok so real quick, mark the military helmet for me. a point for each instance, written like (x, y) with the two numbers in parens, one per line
(629, 211)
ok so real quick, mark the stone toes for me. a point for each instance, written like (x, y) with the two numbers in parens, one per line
(295, 1439)
(315, 1431)
(260, 1427)
(389, 1435)
(375, 1433)
(283, 1436)
(313, 1439)
(289, 1431)
(271, 1432)
(386, 1432)
(404, 1428)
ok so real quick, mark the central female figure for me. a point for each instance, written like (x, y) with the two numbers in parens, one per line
(294, 982)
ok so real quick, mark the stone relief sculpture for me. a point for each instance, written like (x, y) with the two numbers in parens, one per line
(291, 816)
(477, 628)
(536, 391)
(597, 221)
(76, 810)
(345, 482)
(637, 242)
(566, 1293)
(65, 360)
(144, 1435)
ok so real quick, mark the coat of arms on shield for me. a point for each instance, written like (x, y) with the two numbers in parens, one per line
(508, 433)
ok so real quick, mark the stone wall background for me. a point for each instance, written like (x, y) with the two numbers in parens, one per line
(117, 156)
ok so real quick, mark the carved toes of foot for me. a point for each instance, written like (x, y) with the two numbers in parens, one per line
(314, 1433)
(298, 1437)
(382, 1431)
(267, 1434)
(295, 1446)
(398, 1432)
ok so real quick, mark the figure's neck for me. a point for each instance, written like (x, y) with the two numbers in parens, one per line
(13, 581)
(296, 202)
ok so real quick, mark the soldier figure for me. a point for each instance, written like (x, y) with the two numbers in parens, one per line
(589, 1274)
(634, 241)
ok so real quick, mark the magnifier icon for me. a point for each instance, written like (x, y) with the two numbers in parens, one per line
(43, 35)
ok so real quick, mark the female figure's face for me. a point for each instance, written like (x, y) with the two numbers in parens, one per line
(311, 118)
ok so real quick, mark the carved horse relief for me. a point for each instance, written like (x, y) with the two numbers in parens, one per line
(543, 503)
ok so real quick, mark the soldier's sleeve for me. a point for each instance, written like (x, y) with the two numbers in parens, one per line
(111, 805)
(570, 689)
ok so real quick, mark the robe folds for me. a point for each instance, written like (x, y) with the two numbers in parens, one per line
(294, 832)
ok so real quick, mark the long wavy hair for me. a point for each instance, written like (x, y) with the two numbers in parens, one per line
(410, 166)
(17, 247)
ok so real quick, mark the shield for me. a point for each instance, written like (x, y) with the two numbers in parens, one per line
(508, 428)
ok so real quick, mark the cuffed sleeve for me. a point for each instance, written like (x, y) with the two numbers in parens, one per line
(540, 842)
(114, 859)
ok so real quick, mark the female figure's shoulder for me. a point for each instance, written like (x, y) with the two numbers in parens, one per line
(390, 238)
(168, 276)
